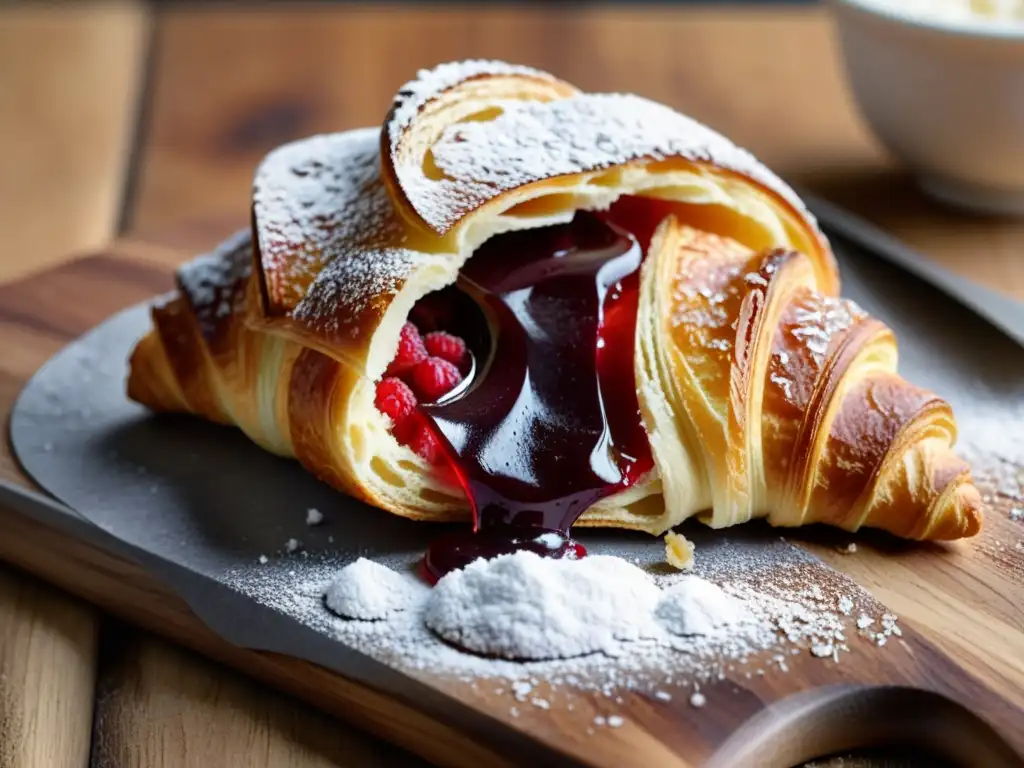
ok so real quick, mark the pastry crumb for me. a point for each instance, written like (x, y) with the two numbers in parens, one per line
(848, 549)
(314, 517)
(678, 551)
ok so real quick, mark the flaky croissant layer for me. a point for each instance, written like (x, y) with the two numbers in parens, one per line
(763, 394)
(783, 402)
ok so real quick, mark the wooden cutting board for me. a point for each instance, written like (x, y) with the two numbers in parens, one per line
(961, 612)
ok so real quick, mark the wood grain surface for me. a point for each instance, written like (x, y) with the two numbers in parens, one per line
(39, 315)
(768, 77)
(229, 84)
(159, 705)
(69, 87)
(47, 674)
(70, 80)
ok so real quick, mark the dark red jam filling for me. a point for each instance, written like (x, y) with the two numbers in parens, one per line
(546, 422)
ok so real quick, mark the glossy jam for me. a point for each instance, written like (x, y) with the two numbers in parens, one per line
(550, 423)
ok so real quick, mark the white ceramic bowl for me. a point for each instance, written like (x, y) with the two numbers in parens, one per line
(945, 97)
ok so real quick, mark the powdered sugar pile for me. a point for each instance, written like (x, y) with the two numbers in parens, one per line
(695, 606)
(369, 591)
(524, 606)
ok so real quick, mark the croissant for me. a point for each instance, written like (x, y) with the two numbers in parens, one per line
(286, 329)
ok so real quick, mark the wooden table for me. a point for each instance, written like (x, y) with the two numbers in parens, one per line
(116, 120)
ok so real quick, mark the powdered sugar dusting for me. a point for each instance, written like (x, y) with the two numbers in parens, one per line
(334, 251)
(531, 141)
(318, 201)
(804, 340)
(214, 283)
(355, 289)
(785, 384)
(789, 603)
(430, 83)
(331, 243)
(816, 319)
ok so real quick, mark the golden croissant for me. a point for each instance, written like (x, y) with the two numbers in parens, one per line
(760, 392)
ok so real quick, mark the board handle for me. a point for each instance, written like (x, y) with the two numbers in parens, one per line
(839, 719)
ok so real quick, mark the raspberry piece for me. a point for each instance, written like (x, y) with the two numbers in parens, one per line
(445, 346)
(423, 442)
(410, 353)
(434, 378)
(394, 398)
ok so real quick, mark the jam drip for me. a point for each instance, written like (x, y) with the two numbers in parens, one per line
(550, 422)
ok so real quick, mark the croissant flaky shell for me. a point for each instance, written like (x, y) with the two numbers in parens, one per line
(768, 397)
(284, 330)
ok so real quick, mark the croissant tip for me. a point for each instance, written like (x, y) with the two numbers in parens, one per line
(964, 518)
(974, 516)
(141, 372)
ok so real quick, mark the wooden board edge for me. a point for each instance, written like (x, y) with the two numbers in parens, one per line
(128, 591)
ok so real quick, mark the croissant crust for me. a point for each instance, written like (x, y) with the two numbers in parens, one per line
(753, 407)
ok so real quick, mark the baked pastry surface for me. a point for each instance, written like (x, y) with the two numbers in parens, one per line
(284, 330)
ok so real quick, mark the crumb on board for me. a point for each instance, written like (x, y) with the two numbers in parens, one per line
(678, 551)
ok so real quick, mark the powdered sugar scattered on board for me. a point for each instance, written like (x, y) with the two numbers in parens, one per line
(791, 601)
(314, 517)
(784, 383)
(993, 444)
(695, 606)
